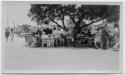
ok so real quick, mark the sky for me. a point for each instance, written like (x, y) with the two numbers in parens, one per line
(16, 13)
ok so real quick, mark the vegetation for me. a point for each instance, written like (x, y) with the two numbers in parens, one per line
(81, 16)
(44, 13)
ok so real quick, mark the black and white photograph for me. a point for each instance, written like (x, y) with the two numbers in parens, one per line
(61, 37)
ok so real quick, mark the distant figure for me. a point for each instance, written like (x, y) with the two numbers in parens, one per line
(39, 39)
(44, 39)
(116, 41)
(51, 40)
(89, 33)
(97, 39)
(7, 33)
(12, 34)
(105, 39)
(90, 38)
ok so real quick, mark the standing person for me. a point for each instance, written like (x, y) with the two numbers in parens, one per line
(105, 39)
(44, 39)
(56, 40)
(48, 40)
(33, 37)
(89, 33)
(98, 39)
(63, 40)
(89, 38)
(39, 39)
(12, 34)
(51, 41)
(7, 33)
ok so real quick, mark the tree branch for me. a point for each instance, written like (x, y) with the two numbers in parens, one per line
(63, 21)
(57, 24)
(72, 19)
(91, 23)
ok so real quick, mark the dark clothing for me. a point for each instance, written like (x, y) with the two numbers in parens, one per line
(39, 42)
(105, 38)
(33, 34)
(89, 34)
(39, 32)
(38, 35)
(7, 34)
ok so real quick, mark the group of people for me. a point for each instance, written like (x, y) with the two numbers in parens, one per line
(42, 39)
(105, 40)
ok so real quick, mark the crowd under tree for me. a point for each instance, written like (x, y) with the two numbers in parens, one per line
(78, 28)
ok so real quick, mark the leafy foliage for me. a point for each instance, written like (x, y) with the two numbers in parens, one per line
(44, 13)
(48, 31)
(25, 28)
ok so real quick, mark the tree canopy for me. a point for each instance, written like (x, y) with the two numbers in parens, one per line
(45, 13)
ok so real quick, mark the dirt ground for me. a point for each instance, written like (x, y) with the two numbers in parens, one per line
(17, 58)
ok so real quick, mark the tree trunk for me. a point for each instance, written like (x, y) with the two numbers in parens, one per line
(76, 31)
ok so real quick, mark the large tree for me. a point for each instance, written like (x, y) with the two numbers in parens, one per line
(45, 13)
